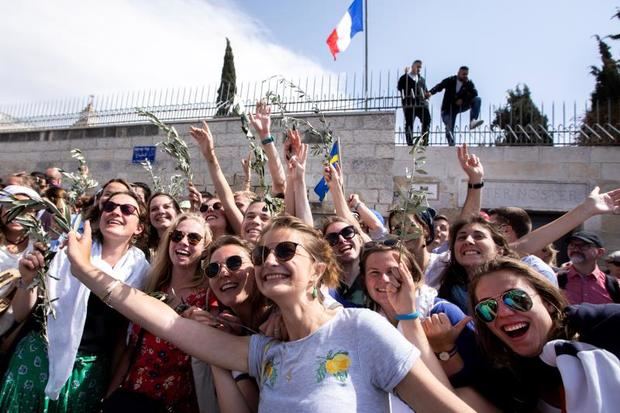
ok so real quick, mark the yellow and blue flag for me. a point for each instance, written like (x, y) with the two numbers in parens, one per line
(321, 188)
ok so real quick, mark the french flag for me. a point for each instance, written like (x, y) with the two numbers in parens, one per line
(349, 26)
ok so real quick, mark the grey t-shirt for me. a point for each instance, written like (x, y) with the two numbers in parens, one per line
(349, 364)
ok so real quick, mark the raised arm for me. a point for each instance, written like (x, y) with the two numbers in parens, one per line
(204, 138)
(366, 215)
(333, 177)
(247, 173)
(595, 204)
(472, 167)
(203, 342)
(297, 167)
(25, 298)
(261, 121)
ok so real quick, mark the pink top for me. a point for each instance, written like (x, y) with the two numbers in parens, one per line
(588, 288)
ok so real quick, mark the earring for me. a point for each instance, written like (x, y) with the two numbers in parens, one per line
(315, 293)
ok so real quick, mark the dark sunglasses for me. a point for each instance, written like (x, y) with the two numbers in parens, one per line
(334, 237)
(283, 251)
(126, 209)
(193, 238)
(388, 242)
(216, 206)
(516, 299)
(233, 263)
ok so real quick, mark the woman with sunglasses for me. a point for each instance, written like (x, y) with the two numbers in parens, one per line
(151, 367)
(242, 309)
(518, 314)
(387, 265)
(83, 332)
(343, 359)
(163, 210)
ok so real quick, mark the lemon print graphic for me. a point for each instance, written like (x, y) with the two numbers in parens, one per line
(335, 364)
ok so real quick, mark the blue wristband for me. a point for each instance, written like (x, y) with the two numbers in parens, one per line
(410, 316)
(267, 140)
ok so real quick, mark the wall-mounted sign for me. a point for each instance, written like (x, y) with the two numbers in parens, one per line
(432, 190)
(140, 153)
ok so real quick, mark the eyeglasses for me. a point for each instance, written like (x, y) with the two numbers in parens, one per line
(283, 251)
(233, 263)
(193, 238)
(388, 242)
(216, 206)
(334, 237)
(126, 209)
(515, 299)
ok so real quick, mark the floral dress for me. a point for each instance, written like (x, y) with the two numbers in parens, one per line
(162, 371)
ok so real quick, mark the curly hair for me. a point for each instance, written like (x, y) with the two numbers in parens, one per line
(315, 245)
(492, 346)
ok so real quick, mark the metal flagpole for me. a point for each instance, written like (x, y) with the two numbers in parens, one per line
(366, 54)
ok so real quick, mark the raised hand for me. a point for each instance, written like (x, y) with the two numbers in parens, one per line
(470, 164)
(333, 175)
(292, 145)
(401, 291)
(261, 120)
(297, 163)
(246, 163)
(203, 138)
(29, 265)
(79, 247)
(274, 327)
(354, 199)
(195, 197)
(440, 332)
(605, 203)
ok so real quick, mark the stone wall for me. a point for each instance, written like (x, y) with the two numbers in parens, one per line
(536, 178)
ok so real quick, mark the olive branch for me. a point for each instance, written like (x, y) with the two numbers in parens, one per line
(80, 181)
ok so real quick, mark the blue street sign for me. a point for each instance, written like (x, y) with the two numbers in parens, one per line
(141, 153)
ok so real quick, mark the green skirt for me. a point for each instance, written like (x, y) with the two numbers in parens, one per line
(23, 385)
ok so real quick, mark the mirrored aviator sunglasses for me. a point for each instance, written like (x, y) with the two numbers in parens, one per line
(283, 251)
(347, 233)
(126, 209)
(515, 299)
(233, 263)
(193, 238)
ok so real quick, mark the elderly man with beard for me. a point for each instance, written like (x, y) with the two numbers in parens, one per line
(584, 282)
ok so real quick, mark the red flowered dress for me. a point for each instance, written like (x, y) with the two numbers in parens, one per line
(162, 371)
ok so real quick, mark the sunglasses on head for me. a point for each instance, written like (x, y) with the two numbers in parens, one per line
(515, 299)
(334, 237)
(216, 206)
(126, 209)
(283, 251)
(388, 242)
(193, 238)
(233, 263)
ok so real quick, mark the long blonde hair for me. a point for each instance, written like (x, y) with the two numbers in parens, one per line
(160, 274)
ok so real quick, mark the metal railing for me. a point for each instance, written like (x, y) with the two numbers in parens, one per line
(343, 93)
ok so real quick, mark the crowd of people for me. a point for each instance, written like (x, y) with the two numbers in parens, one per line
(231, 302)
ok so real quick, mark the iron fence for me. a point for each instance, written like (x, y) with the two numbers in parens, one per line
(564, 124)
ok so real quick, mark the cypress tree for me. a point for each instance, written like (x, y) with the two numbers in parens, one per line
(228, 82)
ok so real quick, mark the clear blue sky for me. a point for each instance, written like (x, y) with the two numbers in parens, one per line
(68, 48)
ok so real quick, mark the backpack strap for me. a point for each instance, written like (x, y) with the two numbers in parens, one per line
(613, 288)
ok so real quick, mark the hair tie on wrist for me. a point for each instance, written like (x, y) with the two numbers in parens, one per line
(267, 140)
(410, 316)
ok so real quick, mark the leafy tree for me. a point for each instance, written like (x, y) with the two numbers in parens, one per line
(520, 121)
(228, 82)
(604, 111)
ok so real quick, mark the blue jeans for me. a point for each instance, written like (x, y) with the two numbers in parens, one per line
(449, 118)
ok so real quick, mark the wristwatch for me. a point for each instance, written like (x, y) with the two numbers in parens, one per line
(446, 355)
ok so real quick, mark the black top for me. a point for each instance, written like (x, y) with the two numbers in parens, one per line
(466, 94)
(101, 328)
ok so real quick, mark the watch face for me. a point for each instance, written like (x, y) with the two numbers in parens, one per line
(444, 356)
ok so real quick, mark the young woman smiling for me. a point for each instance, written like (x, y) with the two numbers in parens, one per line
(84, 331)
(163, 210)
(347, 359)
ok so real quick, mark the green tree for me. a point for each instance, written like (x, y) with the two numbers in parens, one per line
(520, 121)
(228, 82)
(603, 117)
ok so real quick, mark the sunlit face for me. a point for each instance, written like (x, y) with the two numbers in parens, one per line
(116, 225)
(442, 230)
(182, 253)
(346, 250)
(111, 188)
(255, 219)
(213, 212)
(379, 267)
(474, 246)
(140, 192)
(287, 280)
(525, 333)
(415, 245)
(581, 252)
(162, 212)
(232, 288)
(242, 202)
(506, 229)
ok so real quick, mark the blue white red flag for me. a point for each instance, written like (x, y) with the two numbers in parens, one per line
(351, 24)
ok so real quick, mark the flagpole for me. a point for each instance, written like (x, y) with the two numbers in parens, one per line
(340, 163)
(366, 54)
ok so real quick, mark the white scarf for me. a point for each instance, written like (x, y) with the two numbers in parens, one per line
(65, 331)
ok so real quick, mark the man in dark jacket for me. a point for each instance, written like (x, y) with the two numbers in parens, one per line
(460, 95)
(413, 92)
